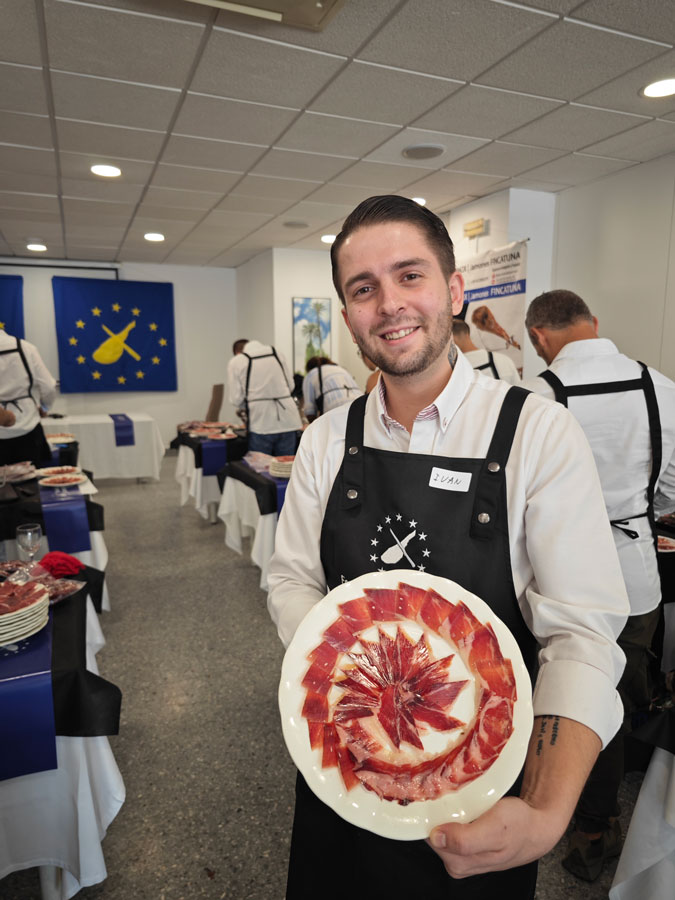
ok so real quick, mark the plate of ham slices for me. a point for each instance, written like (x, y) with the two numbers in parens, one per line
(405, 703)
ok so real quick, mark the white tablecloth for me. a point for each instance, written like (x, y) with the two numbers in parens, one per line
(99, 453)
(59, 818)
(204, 489)
(239, 511)
(646, 869)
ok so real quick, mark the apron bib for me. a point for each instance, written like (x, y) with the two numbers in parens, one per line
(446, 516)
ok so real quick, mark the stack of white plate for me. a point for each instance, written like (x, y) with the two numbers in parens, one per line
(24, 610)
(281, 466)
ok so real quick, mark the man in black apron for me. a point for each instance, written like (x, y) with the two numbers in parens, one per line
(329, 387)
(26, 385)
(628, 414)
(423, 463)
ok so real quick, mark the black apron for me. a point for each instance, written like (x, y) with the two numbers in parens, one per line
(382, 505)
(276, 400)
(490, 364)
(32, 447)
(646, 385)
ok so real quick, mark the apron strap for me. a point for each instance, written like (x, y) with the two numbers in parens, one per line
(490, 364)
(556, 384)
(319, 399)
(352, 465)
(656, 440)
(492, 477)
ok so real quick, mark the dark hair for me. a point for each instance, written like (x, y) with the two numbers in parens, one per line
(459, 326)
(392, 208)
(557, 310)
(314, 361)
(239, 345)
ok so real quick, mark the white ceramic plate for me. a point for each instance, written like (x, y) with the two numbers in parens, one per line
(4, 641)
(363, 807)
(55, 481)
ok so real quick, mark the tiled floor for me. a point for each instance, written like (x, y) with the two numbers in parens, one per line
(209, 782)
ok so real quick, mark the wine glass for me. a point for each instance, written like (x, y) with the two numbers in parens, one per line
(28, 538)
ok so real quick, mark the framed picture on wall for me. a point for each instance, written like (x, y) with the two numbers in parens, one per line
(311, 330)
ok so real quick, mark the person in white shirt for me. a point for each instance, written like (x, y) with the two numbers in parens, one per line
(627, 412)
(508, 533)
(26, 387)
(497, 365)
(326, 386)
(258, 382)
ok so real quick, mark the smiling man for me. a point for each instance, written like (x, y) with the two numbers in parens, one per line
(500, 524)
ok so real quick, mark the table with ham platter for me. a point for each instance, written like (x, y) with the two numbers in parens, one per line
(202, 453)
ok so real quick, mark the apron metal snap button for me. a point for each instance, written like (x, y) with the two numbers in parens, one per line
(352, 494)
(493, 467)
(483, 518)
(353, 451)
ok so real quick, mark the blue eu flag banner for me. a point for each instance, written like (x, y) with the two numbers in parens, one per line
(11, 305)
(114, 335)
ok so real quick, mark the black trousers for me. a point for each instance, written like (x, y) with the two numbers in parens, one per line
(31, 447)
(598, 802)
(331, 859)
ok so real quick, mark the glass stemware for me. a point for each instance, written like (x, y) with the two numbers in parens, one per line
(28, 537)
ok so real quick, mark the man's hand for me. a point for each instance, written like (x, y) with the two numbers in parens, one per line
(516, 830)
(7, 417)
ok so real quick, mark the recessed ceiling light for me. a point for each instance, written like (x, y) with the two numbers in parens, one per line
(664, 88)
(153, 236)
(423, 151)
(36, 248)
(328, 238)
(419, 200)
(106, 171)
(296, 224)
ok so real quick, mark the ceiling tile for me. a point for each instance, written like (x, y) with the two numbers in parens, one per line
(30, 214)
(292, 164)
(32, 227)
(78, 166)
(137, 48)
(108, 140)
(240, 203)
(573, 127)
(277, 188)
(231, 63)
(316, 214)
(455, 146)
(37, 202)
(343, 34)
(575, 168)
(378, 177)
(232, 120)
(99, 254)
(225, 155)
(174, 9)
(640, 144)
(172, 214)
(578, 58)
(90, 210)
(438, 188)
(19, 39)
(55, 249)
(23, 89)
(11, 180)
(319, 133)
(343, 193)
(484, 112)
(504, 159)
(111, 190)
(173, 199)
(467, 46)
(240, 221)
(194, 179)
(28, 161)
(105, 234)
(382, 94)
(649, 18)
(624, 93)
(113, 102)
(31, 131)
(233, 258)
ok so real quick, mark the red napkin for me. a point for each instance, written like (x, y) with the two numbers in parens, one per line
(60, 564)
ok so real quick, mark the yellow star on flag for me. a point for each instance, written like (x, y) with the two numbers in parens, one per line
(153, 326)
(162, 342)
(96, 375)
(81, 359)
(2, 325)
(140, 374)
(155, 360)
(116, 307)
(136, 311)
(121, 379)
(72, 341)
(96, 311)
(80, 323)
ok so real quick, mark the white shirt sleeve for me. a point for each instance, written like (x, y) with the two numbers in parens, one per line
(309, 393)
(235, 380)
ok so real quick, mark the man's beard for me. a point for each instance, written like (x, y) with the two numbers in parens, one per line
(438, 336)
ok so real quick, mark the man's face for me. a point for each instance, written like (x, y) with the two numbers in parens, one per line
(398, 303)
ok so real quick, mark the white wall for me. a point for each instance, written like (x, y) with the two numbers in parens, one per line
(255, 300)
(615, 246)
(205, 310)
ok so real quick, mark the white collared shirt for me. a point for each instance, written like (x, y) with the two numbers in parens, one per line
(617, 429)
(566, 573)
(14, 382)
(506, 368)
(268, 380)
(338, 387)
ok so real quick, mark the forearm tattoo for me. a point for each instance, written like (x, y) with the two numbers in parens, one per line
(548, 732)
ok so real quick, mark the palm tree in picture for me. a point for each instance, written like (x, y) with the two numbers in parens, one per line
(318, 308)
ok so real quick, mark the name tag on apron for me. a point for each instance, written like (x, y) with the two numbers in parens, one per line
(447, 480)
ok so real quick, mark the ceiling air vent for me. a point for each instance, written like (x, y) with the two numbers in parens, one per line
(312, 14)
